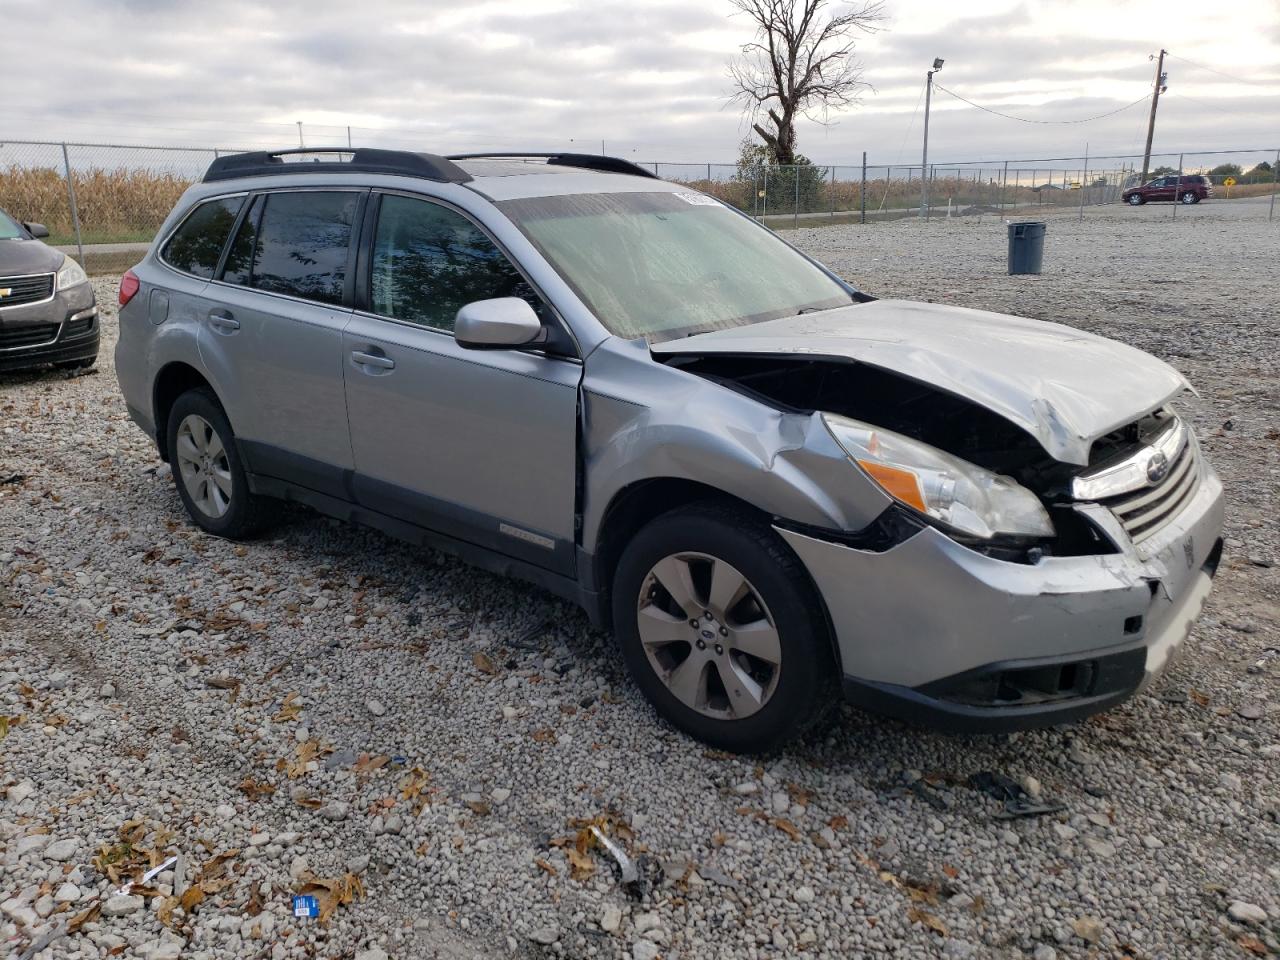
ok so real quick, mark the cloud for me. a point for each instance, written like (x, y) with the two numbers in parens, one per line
(649, 78)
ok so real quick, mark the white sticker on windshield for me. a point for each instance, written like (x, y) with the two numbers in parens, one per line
(698, 199)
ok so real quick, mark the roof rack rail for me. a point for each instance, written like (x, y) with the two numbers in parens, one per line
(403, 163)
(587, 161)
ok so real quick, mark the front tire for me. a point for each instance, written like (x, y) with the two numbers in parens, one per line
(1136, 200)
(722, 629)
(207, 469)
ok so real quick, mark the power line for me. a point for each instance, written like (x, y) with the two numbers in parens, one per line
(1009, 116)
(1201, 66)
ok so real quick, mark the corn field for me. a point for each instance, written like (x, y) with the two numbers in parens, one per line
(113, 205)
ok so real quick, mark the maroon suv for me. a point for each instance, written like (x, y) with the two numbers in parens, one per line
(1188, 189)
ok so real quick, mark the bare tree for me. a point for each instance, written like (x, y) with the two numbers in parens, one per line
(800, 63)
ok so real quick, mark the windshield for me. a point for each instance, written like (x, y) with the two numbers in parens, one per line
(8, 229)
(663, 265)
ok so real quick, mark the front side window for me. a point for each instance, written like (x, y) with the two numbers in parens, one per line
(429, 261)
(196, 245)
(296, 243)
(663, 265)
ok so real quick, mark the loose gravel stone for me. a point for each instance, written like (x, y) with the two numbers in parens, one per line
(121, 905)
(1243, 912)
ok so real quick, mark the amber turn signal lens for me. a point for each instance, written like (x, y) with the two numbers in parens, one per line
(899, 484)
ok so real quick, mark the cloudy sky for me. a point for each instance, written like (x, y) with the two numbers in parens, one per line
(648, 77)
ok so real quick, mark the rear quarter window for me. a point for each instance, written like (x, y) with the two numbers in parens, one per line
(197, 244)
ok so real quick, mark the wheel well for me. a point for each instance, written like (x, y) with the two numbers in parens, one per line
(173, 381)
(633, 507)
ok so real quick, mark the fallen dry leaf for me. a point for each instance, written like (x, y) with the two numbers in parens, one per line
(331, 893)
(581, 865)
(483, 663)
(289, 709)
(1253, 945)
(84, 916)
(916, 915)
(787, 827)
(546, 866)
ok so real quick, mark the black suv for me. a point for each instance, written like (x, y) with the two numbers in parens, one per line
(48, 313)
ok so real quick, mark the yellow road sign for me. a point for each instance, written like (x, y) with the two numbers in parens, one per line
(1229, 182)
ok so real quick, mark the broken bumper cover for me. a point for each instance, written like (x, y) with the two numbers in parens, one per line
(930, 630)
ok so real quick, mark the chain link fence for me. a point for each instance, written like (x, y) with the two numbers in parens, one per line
(105, 202)
(810, 194)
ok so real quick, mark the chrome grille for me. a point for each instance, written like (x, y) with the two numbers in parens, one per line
(16, 291)
(1144, 512)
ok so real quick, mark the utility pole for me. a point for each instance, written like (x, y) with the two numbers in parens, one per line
(924, 160)
(1151, 124)
(299, 123)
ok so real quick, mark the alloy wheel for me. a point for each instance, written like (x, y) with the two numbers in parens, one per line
(203, 466)
(709, 636)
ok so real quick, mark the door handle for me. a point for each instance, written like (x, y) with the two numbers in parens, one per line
(362, 359)
(223, 322)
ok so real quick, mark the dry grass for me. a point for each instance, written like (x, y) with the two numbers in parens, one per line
(113, 204)
(1243, 190)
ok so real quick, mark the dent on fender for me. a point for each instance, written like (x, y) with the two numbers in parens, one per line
(786, 464)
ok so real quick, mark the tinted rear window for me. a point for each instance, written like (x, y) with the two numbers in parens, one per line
(298, 243)
(196, 245)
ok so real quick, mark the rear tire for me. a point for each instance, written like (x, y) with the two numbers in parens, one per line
(208, 471)
(1189, 198)
(717, 681)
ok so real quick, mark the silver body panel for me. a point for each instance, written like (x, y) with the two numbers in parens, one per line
(525, 454)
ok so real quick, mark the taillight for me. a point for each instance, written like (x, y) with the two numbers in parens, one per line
(129, 285)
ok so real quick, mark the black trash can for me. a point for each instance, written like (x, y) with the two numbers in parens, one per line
(1026, 247)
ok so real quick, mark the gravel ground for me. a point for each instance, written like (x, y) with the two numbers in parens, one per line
(423, 743)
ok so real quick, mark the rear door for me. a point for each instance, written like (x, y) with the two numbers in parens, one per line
(477, 444)
(272, 337)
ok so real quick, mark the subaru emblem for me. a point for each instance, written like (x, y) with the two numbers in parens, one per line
(1157, 467)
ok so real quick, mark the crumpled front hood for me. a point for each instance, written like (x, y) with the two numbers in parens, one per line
(1065, 387)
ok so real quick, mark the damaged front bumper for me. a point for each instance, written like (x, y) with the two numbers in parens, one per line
(931, 630)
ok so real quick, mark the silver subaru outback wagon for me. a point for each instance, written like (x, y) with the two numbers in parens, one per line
(771, 486)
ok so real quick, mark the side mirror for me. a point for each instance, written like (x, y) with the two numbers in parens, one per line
(494, 324)
(37, 230)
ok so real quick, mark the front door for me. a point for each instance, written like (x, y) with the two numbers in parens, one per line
(477, 444)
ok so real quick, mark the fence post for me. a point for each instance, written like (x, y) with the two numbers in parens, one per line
(832, 191)
(708, 174)
(71, 195)
(1084, 183)
(764, 207)
(795, 214)
(1004, 178)
(1275, 181)
(1178, 188)
(862, 192)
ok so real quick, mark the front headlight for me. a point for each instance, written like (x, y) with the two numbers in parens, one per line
(70, 274)
(972, 500)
